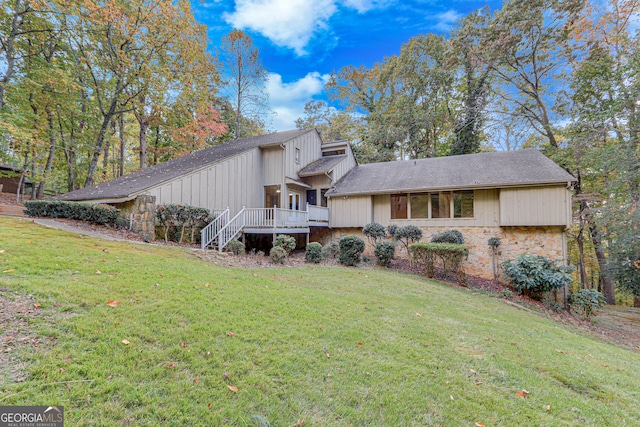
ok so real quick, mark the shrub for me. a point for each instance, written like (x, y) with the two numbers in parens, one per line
(586, 302)
(277, 254)
(494, 242)
(407, 235)
(180, 220)
(235, 247)
(392, 229)
(330, 251)
(374, 232)
(313, 253)
(385, 252)
(351, 248)
(286, 242)
(535, 275)
(95, 213)
(449, 236)
(451, 255)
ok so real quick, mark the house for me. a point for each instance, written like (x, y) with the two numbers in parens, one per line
(10, 180)
(292, 182)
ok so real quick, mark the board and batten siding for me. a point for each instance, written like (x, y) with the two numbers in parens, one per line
(342, 168)
(535, 206)
(354, 211)
(486, 210)
(273, 168)
(234, 182)
(309, 145)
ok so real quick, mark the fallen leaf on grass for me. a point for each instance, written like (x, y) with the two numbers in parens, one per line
(479, 383)
(206, 285)
(300, 422)
(37, 305)
(451, 397)
(324, 350)
(113, 303)
(233, 388)
(359, 344)
(2, 251)
(478, 424)
(184, 344)
(114, 274)
(126, 342)
(160, 276)
(561, 352)
(171, 366)
(8, 271)
(196, 379)
(523, 394)
(209, 406)
(230, 334)
(547, 408)
(418, 314)
(105, 250)
(98, 272)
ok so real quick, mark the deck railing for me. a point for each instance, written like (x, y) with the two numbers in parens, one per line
(222, 229)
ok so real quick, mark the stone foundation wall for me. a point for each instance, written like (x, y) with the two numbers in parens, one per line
(141, 214)
(547, 241)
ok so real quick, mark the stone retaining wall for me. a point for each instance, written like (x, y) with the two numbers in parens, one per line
(547, 241)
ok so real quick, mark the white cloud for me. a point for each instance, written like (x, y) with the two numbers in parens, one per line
(445, 20)
(287, 99)
(292, 23)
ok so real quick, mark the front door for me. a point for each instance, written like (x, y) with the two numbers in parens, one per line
(294, 200)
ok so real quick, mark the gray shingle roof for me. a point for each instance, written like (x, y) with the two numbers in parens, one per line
(136, 182)
(483, 170)
(323, 165)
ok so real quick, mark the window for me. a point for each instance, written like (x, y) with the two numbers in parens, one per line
(419, 206)
(297, 155)
(463, 204)
(398, 206)
(271, 196)
(312, 197)
(441, 205)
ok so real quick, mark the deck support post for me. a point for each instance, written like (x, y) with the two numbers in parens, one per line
(308, 239)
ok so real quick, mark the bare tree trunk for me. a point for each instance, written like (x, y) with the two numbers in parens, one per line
(122, 147)
(52, 151)
(9, 47)
(607, 283)
(144, 127)
(583, 268)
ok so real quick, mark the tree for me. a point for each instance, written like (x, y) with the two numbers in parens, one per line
(333, 125)
(246, 78)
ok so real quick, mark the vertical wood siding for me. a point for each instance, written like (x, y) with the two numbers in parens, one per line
(234, 182)
(535, 206)
(309, 145)
(355, 211)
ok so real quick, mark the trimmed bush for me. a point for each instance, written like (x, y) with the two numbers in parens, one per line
(330, 251)
(178, 221)
(235, 247)
(494, 243)
(375, 232)
(449, 236)
(286, 242)
(535, 275)
(385, 252)
(406, 235)
(313, 253)
(351, 249)
(451, 255)
(95, 213)
(277, 255)
(586, 302)
(392, 230)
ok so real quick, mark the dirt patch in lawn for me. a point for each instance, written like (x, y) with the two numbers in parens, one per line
(17, 335)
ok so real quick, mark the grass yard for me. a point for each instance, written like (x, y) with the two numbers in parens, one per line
(312, 346)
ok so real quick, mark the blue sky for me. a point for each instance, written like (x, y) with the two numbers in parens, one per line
(302, 41)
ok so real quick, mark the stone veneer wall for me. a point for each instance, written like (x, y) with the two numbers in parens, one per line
(141, 214)
(547, 241)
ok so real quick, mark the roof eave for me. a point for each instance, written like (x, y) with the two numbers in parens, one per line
(450, 188)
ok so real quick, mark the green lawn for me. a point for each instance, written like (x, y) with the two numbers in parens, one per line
(325, 346)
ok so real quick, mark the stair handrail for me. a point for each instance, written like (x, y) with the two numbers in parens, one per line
(231, 229)
(209, 233)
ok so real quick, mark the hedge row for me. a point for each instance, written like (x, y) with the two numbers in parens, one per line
(452, 255)
(180, 222)
(98, 214)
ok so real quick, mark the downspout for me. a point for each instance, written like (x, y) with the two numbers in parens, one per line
(283, 185)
